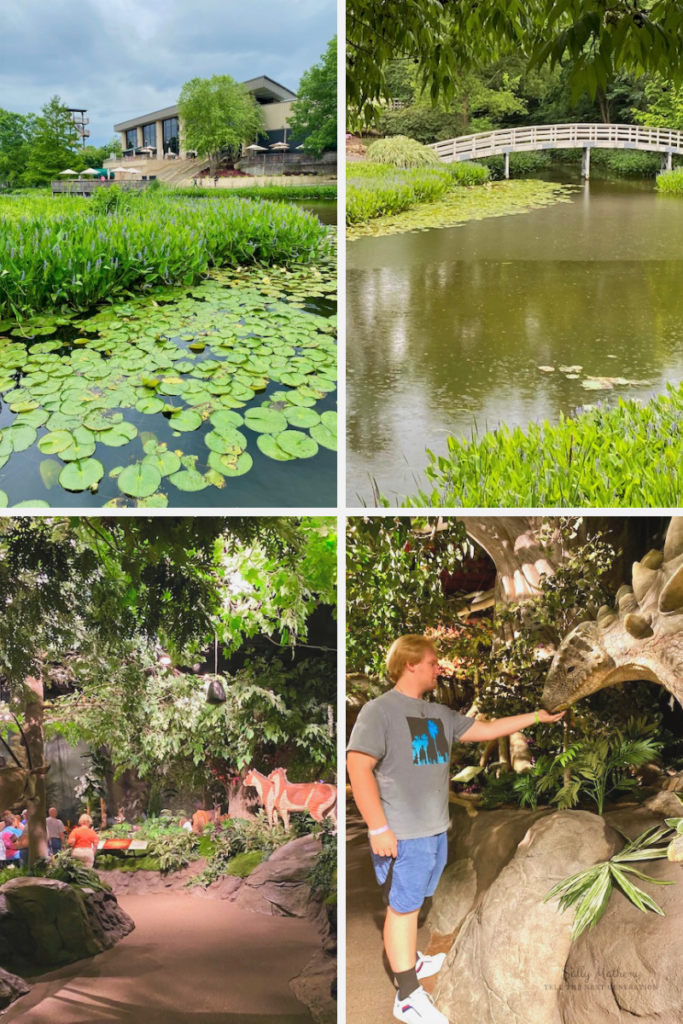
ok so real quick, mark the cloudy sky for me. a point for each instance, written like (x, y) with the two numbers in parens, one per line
(121, 58)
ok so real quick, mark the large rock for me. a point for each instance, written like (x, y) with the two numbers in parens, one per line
(142, 883)
(507, 962)
(316, 988)
(11, 987)
(453, 899)
(279, 885)
(61, 922)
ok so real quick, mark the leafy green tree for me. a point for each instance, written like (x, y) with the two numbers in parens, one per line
(314, 114)
(664, 105)
(598, 37)
(53, 146)
(16, 133)
(219, 115)
(86, 599)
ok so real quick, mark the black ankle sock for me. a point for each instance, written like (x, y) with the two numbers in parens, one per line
(407, 983)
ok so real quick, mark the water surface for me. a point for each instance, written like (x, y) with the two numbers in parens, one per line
(447, 328)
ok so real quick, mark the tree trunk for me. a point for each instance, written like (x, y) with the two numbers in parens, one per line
(520, 754)
(35, 738)
(604, 107)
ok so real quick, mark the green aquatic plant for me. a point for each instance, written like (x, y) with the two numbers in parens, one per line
(379, 190)
(671, 182)
(401, 152)
(628, 456)
(270, 192)
(78, 256)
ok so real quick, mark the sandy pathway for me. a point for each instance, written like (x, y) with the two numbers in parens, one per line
(188, 960)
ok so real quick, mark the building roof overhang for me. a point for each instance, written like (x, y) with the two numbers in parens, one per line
(263, 88)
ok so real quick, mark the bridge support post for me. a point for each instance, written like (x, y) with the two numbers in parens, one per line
(507, 165)
(586, 162)
(667, 161)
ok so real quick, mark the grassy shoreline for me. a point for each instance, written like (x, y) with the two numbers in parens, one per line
(628, 456)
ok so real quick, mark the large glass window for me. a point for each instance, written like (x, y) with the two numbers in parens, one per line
(131, 138)
(149, 135)
(171, 135)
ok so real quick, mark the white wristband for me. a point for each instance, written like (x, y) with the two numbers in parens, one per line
(378, 831)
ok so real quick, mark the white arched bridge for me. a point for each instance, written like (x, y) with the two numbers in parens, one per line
(562, 136)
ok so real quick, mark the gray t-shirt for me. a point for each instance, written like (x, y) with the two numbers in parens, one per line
(411, 740)
(55, 827)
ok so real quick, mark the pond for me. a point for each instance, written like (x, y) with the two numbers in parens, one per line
(177, 398)
(447, 329)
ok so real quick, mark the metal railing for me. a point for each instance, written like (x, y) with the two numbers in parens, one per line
(560, 136)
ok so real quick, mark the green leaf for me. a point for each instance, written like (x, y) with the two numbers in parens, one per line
(297, 444)
(81, 475)
(269, 446)
(189, 480)
(265, 421)
(140, 480)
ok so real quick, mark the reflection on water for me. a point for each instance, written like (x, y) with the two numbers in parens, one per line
(447, 328)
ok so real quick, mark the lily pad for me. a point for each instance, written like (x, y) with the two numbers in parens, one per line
(225, 418)
(154, 501)
(189, 480)
(81, 475)
(55, 442)
(119, 435)
(230, 465)
(149, 405)
(3, 499)
(49, 472)
(325, 437)
(139, 481)
(20, 435)
(186, 420)
(265, 421)
(297, 444)
(271, 448)
(165, 462)
(299, 416)
(32, 504)
(228, 441)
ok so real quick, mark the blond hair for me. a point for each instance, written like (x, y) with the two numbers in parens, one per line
(85, 819)
(407, 650)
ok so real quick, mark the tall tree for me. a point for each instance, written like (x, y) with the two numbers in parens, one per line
(54, 144)
(87, 599)
(16, 133)
(218, 115)
(599, 37)
(314, 115)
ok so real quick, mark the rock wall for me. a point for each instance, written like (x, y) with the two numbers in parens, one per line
(45, 923)
(511, 959)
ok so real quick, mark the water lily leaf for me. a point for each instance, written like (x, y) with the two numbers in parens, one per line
(228, 441)
(329, 419)
(79, 476)
(119, 435)
(299, 416)
(154, 501)
(189, 480)
(97, 422)
(49, 472)
(82, 448)
(593, 384)
(225, 418)
(186, 420)
(230, 465)
(265, 421)
(36, 418)
(149, 405)
(325, 437)
(166, 462)
(139, 481)
(32, 504)
(215, 478)
(230, 402)
(547, 369)
(296, 398)
(55, 442)
(570, 369)
(171, 389)
(25, 406)
(3, 499)
(20, 435)
(271, 448)
(297, 444)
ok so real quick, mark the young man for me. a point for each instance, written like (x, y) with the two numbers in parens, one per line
(399, 766)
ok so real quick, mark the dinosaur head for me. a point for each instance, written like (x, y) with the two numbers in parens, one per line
(641, 638)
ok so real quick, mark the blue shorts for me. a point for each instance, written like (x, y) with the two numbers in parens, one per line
(414, 874)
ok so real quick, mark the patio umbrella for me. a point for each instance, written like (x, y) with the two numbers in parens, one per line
(68, 171)
(90, 170)
(259, 149)
(283, 147)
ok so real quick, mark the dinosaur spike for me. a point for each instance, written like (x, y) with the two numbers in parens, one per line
(643, 579)
(638, 625)
(671, 598)
(628, 604)
(653, 559)
(606, 617)
(673, 546)
(623, 591)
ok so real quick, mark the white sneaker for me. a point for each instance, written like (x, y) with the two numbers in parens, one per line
(427, 966)
(418, 1008)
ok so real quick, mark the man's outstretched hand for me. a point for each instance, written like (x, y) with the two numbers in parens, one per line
(545, 716)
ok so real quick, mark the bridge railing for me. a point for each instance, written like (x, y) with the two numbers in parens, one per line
(560, 136)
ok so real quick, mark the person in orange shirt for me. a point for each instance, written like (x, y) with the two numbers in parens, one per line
(83, 841)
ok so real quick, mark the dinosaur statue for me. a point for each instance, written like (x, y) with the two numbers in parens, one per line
(642, 638)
